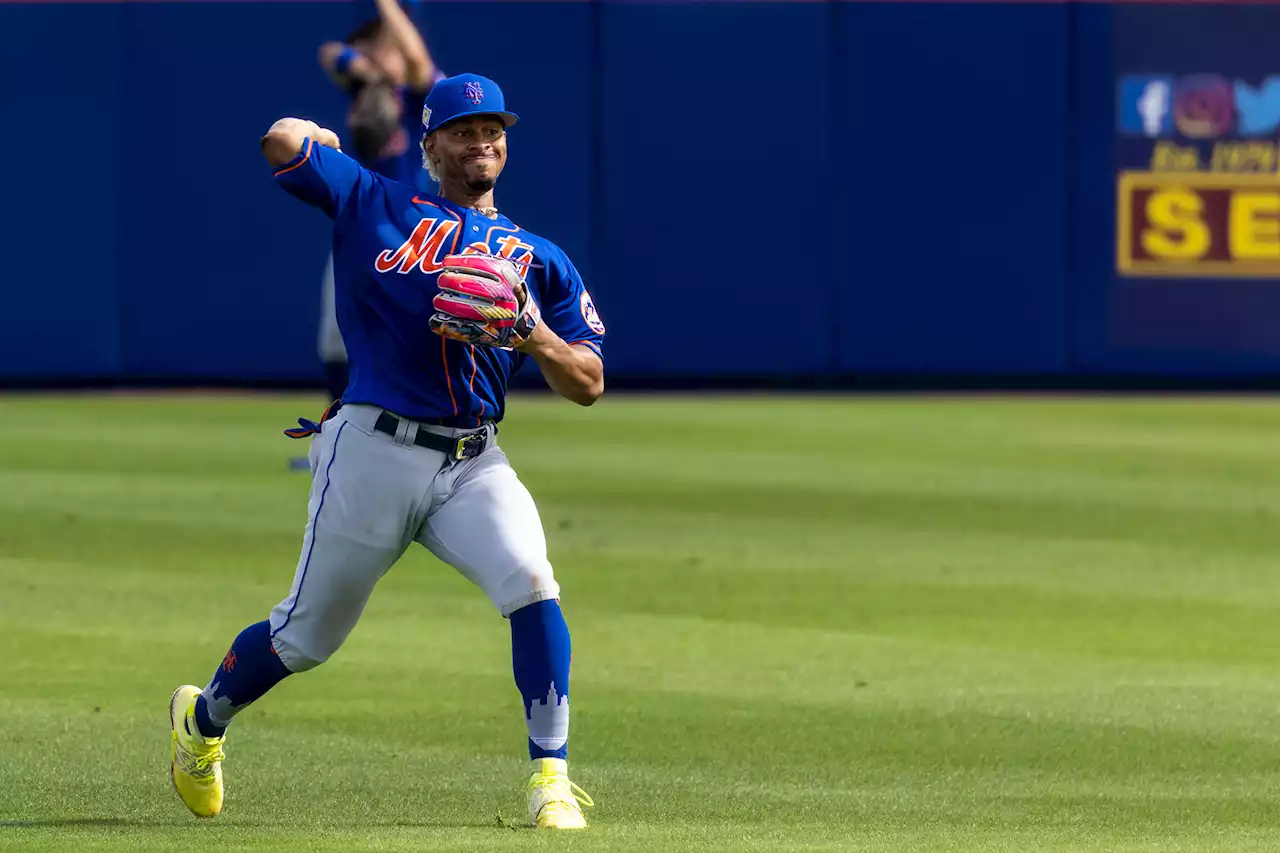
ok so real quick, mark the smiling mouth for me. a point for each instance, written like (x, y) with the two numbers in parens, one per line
(480, 158)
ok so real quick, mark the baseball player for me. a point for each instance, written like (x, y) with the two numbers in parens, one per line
(386, 69)
(440, 299)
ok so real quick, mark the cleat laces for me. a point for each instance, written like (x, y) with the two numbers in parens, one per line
(199, 762)
(550, 784)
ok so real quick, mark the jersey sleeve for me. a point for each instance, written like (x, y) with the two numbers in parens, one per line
(326, 178)
(567, 307)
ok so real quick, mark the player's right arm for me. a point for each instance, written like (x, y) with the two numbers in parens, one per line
(310, 166)
(286, 138)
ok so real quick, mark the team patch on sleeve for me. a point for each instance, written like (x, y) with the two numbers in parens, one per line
(590, 314)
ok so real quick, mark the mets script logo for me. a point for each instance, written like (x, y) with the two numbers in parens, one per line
(431, 242)
(590, 314)
(473, 92)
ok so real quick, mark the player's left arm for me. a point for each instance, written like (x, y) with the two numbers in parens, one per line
(347, 66)
(574, 371)
(567, 344)
(417, 59)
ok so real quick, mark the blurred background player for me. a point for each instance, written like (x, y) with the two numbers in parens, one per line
(385, 67)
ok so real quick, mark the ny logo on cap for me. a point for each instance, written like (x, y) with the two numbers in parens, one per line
(473, 92)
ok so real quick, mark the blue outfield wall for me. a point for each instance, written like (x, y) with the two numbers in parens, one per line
(749, 188)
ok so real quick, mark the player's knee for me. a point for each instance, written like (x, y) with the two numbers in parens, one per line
(299, 656)
(525, 585)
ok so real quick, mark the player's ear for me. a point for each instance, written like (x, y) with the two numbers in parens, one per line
(429, 148)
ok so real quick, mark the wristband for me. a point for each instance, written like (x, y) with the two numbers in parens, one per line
(344, 60)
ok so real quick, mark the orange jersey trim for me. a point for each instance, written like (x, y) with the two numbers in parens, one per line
(462, 226)
(444, 354)
(472, 386)
(305, 158)
(489, 234)
(444, 350)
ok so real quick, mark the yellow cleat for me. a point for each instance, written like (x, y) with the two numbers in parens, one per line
(196, 768)
(554, 801)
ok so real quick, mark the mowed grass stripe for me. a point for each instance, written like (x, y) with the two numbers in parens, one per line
(934, 624)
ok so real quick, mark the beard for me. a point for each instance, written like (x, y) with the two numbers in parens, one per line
(481, 185)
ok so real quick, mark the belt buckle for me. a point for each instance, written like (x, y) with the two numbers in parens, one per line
(460, 451)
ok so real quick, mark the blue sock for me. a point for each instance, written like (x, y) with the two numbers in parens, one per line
(249, 670)
(540, 654)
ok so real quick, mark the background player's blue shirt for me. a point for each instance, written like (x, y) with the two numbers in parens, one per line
(401, 158)
(389, 240)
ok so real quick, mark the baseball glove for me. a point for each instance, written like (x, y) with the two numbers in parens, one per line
(483, 301)
(374, 119)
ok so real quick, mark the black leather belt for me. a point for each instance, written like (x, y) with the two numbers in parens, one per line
(464, 447)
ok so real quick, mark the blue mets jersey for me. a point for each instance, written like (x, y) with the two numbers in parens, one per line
(389, 244)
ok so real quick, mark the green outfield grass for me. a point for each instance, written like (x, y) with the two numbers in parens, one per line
(799, 624)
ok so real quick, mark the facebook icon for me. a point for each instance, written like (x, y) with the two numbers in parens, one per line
(1146, 104)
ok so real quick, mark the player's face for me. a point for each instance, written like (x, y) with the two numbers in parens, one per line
(470, 151)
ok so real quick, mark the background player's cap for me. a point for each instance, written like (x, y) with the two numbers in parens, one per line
(464, 95)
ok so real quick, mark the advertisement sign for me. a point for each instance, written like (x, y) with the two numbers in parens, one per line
(1198, 188)
(1212, 225)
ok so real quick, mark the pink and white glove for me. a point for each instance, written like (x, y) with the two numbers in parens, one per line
(483, 301)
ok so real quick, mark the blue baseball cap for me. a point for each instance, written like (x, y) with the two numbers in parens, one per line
(464, 95)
